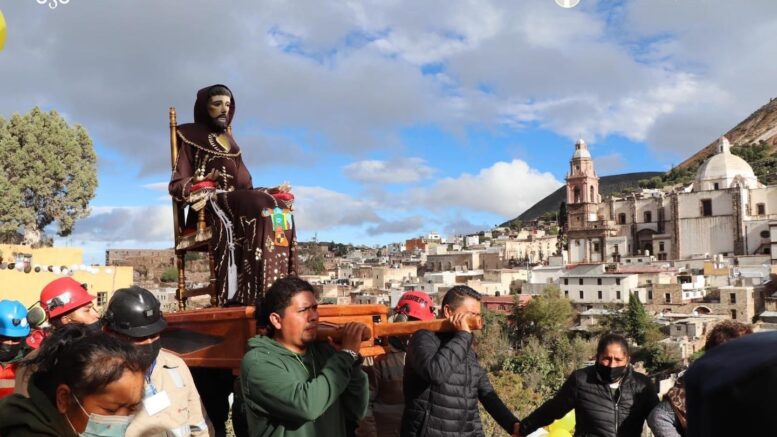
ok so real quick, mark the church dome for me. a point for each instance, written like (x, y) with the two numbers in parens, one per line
(581, 150)
(723, 169)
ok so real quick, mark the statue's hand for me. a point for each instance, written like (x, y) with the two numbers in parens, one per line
(285, 187)
(212, 176)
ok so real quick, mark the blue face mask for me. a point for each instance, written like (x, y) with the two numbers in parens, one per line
(103, 426)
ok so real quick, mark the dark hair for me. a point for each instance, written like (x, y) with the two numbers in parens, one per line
(219, 90)
(456, 295)
(84, 361)
(608, 339)
(725, 331)
(278, 297)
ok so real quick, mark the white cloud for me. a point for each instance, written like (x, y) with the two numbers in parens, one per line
(401, 226)
(397, 171)
(319, 209)
(505, 188)
(114, 224)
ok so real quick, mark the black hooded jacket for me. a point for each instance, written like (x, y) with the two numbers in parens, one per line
(598, 411)
(443, 383)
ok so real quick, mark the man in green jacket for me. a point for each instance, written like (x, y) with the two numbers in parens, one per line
(294, 386)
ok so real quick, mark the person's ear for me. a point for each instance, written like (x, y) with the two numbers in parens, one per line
(62, 396)
(275, 320)
(446, 311)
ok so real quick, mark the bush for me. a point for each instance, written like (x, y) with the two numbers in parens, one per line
(169, 275)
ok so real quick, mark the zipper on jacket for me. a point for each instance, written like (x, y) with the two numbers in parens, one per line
(620, 391)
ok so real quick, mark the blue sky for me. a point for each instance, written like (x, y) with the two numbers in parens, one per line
(390, 119)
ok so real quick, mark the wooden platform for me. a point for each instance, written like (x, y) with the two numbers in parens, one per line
(217, 337)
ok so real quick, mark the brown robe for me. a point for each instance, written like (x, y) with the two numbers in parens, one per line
(262, 255)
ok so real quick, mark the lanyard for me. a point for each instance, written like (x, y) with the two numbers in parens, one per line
(150, 389)
(306, 367)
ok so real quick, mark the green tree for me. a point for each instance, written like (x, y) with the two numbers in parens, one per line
(545, 317)
(493, 342)
(315, 264)
(639, 324)
(49, 174)
(169, 275)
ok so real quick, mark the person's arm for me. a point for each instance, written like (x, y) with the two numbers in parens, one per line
(662, 421)
(199, 424)
(436, 365)
(493, 404)
(648, 398)
(356, 397)
(274, 389)
(553, 409)
(183, 174)
(243, 181)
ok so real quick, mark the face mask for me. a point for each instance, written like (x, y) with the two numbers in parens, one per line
(9, 351)
(610, 374)
(103, 426)
(150, 351)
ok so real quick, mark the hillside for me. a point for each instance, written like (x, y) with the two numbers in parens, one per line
(759, 127)
(607, 185)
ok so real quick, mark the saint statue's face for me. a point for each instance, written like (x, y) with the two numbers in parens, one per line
(218, 109)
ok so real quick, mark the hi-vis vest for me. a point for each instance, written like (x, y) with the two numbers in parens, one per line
(7, 379)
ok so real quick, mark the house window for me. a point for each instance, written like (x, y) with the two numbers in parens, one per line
(621, 219)
(667, 298)
(648, 216)
(649, 281)
(599, 294)
(618, 295)
(615, 248)
(566, 281)
(715, 186)
(102, 298)
(761, 207)
(733, 297)
(706, 207)
(580, 281)
(598, 281)
(661, 246)
(617, 281)
(596, 247)
(650, 295)
(566, 294)
(733, 314)
(581, 294)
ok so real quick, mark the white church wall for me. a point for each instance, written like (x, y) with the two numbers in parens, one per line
(710, 235)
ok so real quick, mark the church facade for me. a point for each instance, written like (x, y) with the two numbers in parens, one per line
(725, 211)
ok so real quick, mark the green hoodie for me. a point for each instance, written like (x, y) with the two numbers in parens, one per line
(286, 398)
(34, 416)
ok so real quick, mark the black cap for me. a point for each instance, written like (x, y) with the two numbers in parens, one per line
(134, 312)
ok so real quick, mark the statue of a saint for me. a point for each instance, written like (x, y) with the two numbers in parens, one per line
(252, 227)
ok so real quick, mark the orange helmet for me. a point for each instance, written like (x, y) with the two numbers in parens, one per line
(63, 295)
(416, 304)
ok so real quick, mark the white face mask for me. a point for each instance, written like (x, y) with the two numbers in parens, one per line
(102, 426)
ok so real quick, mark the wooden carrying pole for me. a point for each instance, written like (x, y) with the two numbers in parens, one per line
(399, 328)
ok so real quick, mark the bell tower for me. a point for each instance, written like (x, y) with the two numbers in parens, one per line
(586, 232)
(582, 188)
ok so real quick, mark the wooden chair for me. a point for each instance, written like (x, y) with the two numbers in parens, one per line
(197, 239)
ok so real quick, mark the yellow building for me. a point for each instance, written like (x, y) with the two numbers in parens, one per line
(15, 284)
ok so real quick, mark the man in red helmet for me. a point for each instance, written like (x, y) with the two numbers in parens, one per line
(386, 371)
(65, 301)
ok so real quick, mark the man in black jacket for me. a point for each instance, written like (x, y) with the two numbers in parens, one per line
(443, 380)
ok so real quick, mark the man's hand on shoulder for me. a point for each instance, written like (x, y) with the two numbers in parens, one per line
(460, 322)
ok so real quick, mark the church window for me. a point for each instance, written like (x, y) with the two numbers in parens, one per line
(715, 186)
(661, 246)
(596, 247)
(706, 207)
(592, 198)
(648, 216)
(761, 208)
(577, 195)
(621, 219)
(764, 234)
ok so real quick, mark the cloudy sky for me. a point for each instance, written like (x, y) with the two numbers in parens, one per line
(389, 118)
